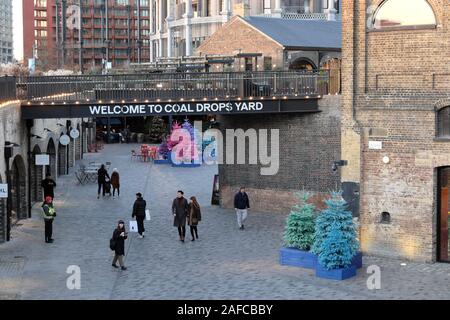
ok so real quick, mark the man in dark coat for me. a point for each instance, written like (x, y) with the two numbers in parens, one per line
(119, 237)
(49, 185)
(139, 213)
(180, 210)
(102, 175)
(241, 205)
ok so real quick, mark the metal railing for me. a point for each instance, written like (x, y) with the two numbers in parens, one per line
(175, 86)
(7, 88)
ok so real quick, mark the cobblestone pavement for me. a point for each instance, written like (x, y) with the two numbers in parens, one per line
(225, 263)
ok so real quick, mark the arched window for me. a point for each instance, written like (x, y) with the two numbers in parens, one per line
(443, 122)
(403, 13)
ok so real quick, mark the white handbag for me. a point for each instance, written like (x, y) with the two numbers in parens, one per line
(133, 226)
(148, 217)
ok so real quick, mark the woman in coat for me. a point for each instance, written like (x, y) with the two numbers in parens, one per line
(194, 217)
(119, 236)
(115, 182)
(180, 209)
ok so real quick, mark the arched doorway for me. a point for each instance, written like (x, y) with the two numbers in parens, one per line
(51, 151)
(302, 64)
(36, 176)
(62, 160)
(18, 190)
(443, 217)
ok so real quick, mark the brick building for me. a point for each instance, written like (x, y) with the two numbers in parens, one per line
(262, 43)
(395, 124)
(111, 30)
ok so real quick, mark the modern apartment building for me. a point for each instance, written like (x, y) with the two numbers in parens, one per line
(179, 27)
(6, 32)
(114, 31)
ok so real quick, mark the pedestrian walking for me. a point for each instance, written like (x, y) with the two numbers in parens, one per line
(139, 213)
(241, 205)
(180, 209)
(118, 239)
(49, 216)
(102, 176)
(115, 182)
(49, 185)
(194, 217)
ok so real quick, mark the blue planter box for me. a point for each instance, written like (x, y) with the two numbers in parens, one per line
(163, 161)
(186, 165)
(335, 274)
(357, 260)
(297, 258)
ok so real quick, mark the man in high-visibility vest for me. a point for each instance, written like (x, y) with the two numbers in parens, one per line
(49, 215)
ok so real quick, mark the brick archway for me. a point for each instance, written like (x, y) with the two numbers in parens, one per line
(51, 151)
(18, 190)
(36, 175)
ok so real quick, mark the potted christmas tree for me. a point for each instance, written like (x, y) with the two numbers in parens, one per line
(299, 235)
(191, 160)
(335, 241)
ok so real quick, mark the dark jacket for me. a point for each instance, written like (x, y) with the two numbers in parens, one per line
(120, 241)
(194, 215)
(139, 208)
(241, 201)
(48, 185)
(115, 180)
(102, 174)
(180, 208)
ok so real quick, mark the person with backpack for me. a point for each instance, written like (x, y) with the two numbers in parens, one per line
(49, 216)
(139, 213)
(117, 244)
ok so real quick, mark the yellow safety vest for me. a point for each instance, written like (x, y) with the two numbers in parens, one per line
(51, 213)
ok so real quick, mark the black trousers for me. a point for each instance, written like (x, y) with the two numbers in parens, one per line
(114, 191)
(101, 185)
(48, 229)
(182, 231)
(194, 230)
(140, 223)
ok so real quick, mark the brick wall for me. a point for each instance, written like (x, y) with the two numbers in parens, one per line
(237, 34)
(392, 83)
(309, 144)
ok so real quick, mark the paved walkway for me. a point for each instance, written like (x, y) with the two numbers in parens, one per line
(225, 263)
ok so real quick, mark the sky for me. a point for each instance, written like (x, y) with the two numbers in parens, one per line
(18, 29)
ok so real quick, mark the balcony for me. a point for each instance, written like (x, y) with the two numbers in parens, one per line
(170, 86)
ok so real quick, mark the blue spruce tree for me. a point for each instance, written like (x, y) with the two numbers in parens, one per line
(299, 232)
(336, 241)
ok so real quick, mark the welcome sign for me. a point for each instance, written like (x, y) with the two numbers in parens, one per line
(238, 107)
(184, 108)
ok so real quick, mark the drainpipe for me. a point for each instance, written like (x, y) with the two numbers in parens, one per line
(30, 159)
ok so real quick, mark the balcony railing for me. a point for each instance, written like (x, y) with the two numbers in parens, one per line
(7, 89)
(175, 86)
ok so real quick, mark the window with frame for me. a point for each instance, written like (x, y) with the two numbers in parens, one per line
(443, 123)
(403, 13)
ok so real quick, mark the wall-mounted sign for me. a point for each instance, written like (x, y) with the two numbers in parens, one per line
(3, 191)
(375, 145)
(74, 134)
(239, 107)
(42, 160)
(64, 140)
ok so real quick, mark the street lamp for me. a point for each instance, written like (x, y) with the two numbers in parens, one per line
(8, 153)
